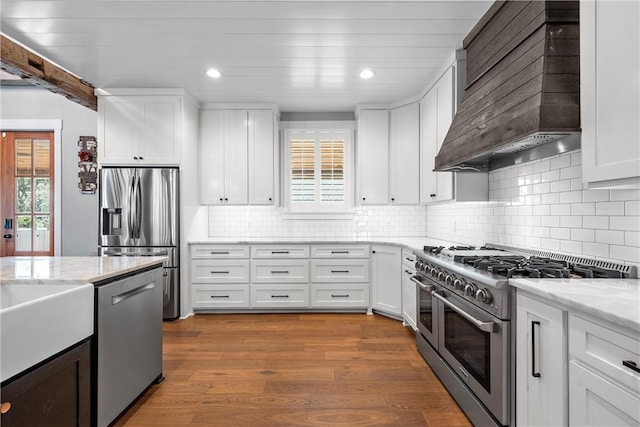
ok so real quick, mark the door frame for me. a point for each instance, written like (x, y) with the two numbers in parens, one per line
(55, 126)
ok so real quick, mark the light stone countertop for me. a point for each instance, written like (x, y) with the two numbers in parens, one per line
(412, 243)
(70, 270)
(615, 300)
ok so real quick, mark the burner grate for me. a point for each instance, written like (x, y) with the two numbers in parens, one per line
(626, 271)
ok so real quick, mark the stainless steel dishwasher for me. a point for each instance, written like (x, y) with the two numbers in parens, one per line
(127, 341)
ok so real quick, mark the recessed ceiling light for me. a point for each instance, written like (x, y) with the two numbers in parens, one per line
(367, 73)
(213, 73)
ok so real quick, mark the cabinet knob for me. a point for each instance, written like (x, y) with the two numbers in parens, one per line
(221, 199)
(135, 157)
(141, 158)
(225, 199)
(432, 195)
(364, 198)
(393, 199)
(5, 407)
(270, 199)
(373, 252)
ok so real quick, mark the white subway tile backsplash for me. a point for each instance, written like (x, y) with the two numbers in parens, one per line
(543, 204)
(571, 172)
(632, 208)
(610, 208)
(626, 223)
(595, 250)
(625, 195)
(582, 235)
(610, 237)
(559, 162)
(557, 186)
(596, 222)
(595, 195)
(583, 209)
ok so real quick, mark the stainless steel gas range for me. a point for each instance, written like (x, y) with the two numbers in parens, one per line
(466, 319)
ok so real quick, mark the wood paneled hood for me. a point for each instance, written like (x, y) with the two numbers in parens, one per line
(522, 98)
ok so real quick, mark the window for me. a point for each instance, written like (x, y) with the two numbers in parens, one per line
(317, 170)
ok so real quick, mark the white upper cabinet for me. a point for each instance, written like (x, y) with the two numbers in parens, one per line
(237, 157)
(262, 157)
(404, 154)
(223, 157)
(373, 157)
(610, 92)
(139, 130)
(437, 109)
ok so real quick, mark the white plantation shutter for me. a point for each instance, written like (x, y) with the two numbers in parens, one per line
(332, 171)
(303, 180)
(317, 176)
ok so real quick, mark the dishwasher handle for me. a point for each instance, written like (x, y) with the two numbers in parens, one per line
(117, 299)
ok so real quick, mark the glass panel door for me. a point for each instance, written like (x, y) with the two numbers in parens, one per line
(27, 188)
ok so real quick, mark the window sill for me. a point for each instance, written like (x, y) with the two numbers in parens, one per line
(317, 215)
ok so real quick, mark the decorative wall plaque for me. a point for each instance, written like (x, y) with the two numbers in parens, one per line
(88, 164)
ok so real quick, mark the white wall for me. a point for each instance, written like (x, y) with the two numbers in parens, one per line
(79, 211)
(542, 205)
(266, 221)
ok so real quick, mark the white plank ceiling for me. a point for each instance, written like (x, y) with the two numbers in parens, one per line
(302, 55)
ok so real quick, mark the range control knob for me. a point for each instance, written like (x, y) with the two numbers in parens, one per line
(433, 271)
(470, 289)
(483, 295)
(441, 275)
(459, 284)
(449, 279)
(419, 265)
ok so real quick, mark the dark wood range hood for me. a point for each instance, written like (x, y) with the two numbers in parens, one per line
(522, 98)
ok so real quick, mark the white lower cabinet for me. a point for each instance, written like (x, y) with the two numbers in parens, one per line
(387, 279)
(574, 369)
(604, 385)
(279, 296)
(541, 369)
(409, 293)
(340, 296)
(339, 270)
(279, 271)
(220, 296)
(220, 271)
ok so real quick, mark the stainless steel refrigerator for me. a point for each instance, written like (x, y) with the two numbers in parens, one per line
(139, 216)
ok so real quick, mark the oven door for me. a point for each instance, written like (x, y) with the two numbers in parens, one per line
(426, 309)
(476, 346)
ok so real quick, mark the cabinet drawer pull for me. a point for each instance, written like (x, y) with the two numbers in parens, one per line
(409, 272)
(408, 259)
(279, 271)
(339, 296)
(631, 365)
(279, 296)
(279, 252)
(339, 271)
(219, 272)
(219, 252)
(339, 252)
(5, 407)
(219, 296)
(534, 373)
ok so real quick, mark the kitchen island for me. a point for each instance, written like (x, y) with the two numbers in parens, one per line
(115, 354)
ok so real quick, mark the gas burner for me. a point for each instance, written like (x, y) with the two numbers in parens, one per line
(590, 272)
(461, 248)
(540, 260)
(433, 249)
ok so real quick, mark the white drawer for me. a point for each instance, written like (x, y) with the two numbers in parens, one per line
(279, 251)
(219, 271)
(219, 251)
(408, 258)
(339, 296)
(220, 296)
(605, 350)
(340, 251)
(280, 271)
(339, 270)
(279, 296)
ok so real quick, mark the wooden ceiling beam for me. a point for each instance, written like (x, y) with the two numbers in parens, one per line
(17, 60)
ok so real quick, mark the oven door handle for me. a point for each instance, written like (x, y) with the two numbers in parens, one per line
(483, 326)
(427, 288)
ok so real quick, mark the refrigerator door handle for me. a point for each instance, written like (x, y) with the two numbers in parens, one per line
(131, 213)
(138, 210)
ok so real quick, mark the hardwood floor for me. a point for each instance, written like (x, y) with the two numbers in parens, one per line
(293, 370)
